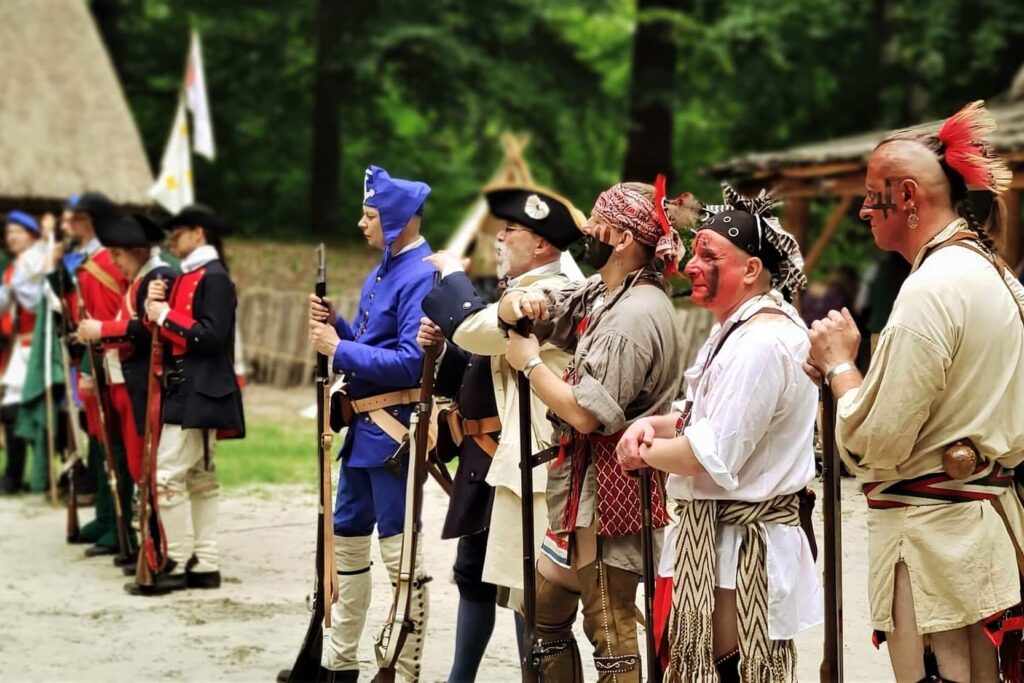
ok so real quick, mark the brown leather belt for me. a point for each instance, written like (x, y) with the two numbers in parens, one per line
(479, 430)
(381, 401)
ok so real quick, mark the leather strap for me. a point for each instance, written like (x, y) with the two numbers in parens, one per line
(486, 444)
(102, 276)
(487, 425)
(969, 240)
(399, 432)
(478, 430)
(381, 401)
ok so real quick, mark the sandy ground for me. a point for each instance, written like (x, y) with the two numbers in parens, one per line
(67, 618)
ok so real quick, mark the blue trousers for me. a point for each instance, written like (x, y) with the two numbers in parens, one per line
(369, 496)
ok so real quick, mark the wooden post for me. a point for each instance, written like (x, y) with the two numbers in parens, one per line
(797, 210)
(827, 233)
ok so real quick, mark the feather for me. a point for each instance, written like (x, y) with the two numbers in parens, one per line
(964, 136)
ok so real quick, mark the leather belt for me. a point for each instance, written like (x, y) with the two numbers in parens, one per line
(381, 401)
(478, 430)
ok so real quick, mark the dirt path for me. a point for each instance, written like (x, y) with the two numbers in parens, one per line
(67, 618)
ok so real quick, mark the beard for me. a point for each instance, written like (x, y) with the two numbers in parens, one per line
(504, 261)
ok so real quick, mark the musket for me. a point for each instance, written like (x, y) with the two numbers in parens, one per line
(325, 586)
(399, 624)
(73, 447)
(650, 567)
(832, 662)
(51, 435)
(152, 554)
(51, 432)
(530, 659)
(124, 549)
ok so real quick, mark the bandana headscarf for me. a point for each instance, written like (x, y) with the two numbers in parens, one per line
(644, 218)
(750, 225)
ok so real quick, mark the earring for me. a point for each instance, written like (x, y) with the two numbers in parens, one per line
(912, 218)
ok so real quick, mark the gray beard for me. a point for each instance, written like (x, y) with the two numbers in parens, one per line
(503, 264)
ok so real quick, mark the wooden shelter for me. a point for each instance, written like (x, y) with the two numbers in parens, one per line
(834, 170)
(65, 126)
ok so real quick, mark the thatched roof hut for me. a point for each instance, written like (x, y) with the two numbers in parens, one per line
(834, 170)
(65, 125)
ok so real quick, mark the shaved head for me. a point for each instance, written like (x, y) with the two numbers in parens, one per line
(908, 197)
(909, 159)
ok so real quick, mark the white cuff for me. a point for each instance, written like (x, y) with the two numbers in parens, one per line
(162, 317)
(702, 441)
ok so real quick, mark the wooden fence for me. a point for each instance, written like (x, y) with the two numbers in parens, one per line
(275, 343)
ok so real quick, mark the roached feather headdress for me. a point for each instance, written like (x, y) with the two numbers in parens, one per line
(966, 150)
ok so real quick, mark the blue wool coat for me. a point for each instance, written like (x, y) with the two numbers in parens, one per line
(378, 351)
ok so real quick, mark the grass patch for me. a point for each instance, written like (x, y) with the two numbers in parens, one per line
(269, 454)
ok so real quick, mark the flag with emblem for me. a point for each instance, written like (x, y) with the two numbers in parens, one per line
(173, 189)
(198, 104)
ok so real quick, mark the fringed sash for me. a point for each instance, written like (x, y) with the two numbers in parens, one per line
(691, 658)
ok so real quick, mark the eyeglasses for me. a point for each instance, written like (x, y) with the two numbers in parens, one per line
(512, 228)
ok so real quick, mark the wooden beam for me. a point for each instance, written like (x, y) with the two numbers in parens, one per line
(822, 170)
(1011, 237)
(827, 233)
(797, 210)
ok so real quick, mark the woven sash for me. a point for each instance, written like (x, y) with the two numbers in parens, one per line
(988, 481)
(691, 658)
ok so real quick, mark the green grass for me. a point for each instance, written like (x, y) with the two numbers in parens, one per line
(269, 454)
(275, 454)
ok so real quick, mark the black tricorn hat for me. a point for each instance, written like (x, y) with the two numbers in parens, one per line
(199, 216)
(96, 204)
(128, 232)
(546, 213)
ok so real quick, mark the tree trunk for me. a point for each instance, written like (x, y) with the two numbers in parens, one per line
(328, 85)
(651, 93)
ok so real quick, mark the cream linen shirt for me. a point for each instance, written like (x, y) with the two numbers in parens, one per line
(949, 365)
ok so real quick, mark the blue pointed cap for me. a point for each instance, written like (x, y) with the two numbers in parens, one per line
(396, 199)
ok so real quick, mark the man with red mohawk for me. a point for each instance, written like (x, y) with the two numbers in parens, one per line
(934, 429)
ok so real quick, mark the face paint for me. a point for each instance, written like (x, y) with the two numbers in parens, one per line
(713, 274)
(597, 253)
(881, 201)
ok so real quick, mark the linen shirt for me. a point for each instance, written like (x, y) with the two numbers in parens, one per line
(626, 359)
(949, 365)
(752, 429)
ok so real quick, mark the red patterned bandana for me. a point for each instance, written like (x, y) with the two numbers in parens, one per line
(630, 210)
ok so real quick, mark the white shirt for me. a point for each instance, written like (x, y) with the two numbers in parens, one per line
(752, 429)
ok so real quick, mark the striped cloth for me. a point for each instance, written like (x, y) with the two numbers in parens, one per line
(691, 658)
(988, 480)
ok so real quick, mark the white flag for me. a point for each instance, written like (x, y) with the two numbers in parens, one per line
(195, 94)
(173, 189)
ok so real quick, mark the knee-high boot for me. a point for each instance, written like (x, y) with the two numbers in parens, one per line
(348, 614)
(609, 620)
(556, 613)
(408, 665)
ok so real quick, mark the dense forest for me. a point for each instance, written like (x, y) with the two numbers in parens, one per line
(305, 93)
